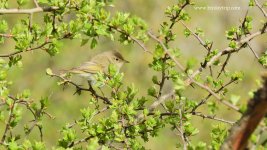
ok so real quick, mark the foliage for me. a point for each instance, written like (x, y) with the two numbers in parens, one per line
(121, 118)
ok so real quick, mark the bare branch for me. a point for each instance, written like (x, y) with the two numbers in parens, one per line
(11, 110)
(34, 48)
(260, 7)
(224, 65)
(79, 88)
(28, 11)
(217, 96)
(197, 37)
(209, 95)
(86, 139)
(27, 50)
(223, 52)
(178, 14)
(255, 54)
(157, 103)
(141, 44)
(212, 118)
(36, 3)
(6, 35)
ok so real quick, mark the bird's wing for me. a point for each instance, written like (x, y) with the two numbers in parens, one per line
(87, 67)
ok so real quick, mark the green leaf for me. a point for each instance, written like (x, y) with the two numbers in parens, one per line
(199, 31)
(187, 32)
(251, 3)
(191, 63)
(93, 144)
(3, 26)
(27, 144)
(44, 102)
(212, 107)
(3, 3)
(253, 138)
(43, 1)
(14, 60)
(190, 130)
(218, 135)
(13, 145)
(263, 59)
(93, 43)
(237, 76)
(3, 75)
(54, 47)
(49, 71)
(155, 80)
(233, 44)
(234, 99)
(84, 41)
(26, 93)
(22, 2)
(152, 91)
(38, 146)
(179, 84)
(201, 146)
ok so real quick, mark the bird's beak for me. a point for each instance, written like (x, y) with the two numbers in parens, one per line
(126, 61)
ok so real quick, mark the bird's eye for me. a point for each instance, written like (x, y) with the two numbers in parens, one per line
(117, 59)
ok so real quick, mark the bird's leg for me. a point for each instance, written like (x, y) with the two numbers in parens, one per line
(91, 89)
(89, 84)
(101, 91)
(78, 91)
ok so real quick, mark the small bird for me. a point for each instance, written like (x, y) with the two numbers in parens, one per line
(99, 63)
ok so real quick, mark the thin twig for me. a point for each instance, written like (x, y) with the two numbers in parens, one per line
(178, 14)
(209, 95)
(6, 35)
(90, 89)
(34, 48)
(28, 11)
(260, 7)
(36, 3)
(9, 120)
(221, 53)
(224, 65)
(157, 103)
(29, 49)
(255, 54)
(217, 96)
(141, 44)
(197, 37)
(212, 118)
(184, 139)
(86, 139)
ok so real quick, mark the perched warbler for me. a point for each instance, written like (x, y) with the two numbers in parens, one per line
(98, 63)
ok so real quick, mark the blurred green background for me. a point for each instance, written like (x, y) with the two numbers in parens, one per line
(66, 107)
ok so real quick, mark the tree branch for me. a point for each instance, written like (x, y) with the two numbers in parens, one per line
(197, 37)
(227, 50)
(36, 3)
(29, 49)
(212, 118)
(90, 89)
(256, 111)
(28, 11)
(260, 7)
(11, 109)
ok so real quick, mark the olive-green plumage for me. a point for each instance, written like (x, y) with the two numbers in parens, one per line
(99, 63)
